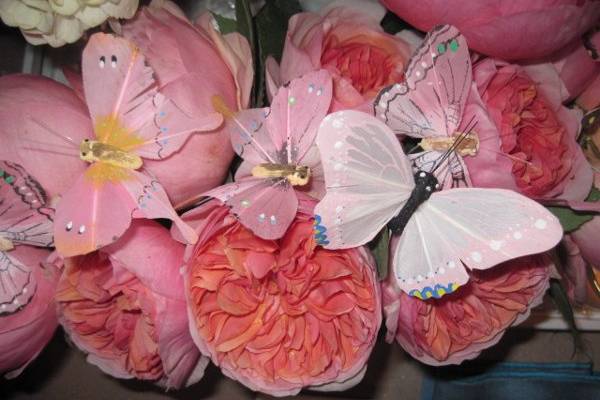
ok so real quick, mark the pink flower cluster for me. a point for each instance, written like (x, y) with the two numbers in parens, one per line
(286, 314)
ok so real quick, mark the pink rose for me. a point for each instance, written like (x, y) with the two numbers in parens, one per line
(586, 238)
(576, 67)
(573, 271)
(350, 44)
(192, 63)
(24, 333)
(280, 315)
(528, 139)
(507, 29)
(459, 326)
(124, 305)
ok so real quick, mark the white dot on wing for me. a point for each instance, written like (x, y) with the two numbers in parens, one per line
(517, 235)
(541, 223)
(476, 256)
(495, 244)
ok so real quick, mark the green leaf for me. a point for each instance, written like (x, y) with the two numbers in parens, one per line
(243, 16)
(559, 297)
(226, 25)
(271, 28)
(571, 219)
(245, 26)
(380, 249)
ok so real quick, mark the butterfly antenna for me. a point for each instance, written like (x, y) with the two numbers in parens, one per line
(60, 153)
(219, 105)
(470, 126)
(52, 131)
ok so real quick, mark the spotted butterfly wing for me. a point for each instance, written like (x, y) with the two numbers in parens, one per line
(130, 115)
(24, 219)
(369, 179)
(430, 102)
(468, 228)
(281, 135)
(431, 99)
(126, 108)
(105, 212)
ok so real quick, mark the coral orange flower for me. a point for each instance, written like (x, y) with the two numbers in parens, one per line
(280, 315)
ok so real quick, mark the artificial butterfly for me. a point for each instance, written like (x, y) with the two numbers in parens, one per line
(429, 104)
(131, 121)
(25, 219)
(276, 145)
(370, 184)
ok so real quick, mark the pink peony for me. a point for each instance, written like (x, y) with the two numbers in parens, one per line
(577, 68)
(280, 315)
(124, 305)
(349, 43)
(24, 333)
(507, 29)
(192, 63)
(27, 98)
(459, 326)
(528, 143)
(573, 271)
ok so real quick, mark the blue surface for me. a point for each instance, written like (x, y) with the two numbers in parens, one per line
(514, 381)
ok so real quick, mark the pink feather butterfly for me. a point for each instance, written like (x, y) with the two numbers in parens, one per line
(430, 104)
(131, 121)
(370, 184)
(24, 220)
(276, 144)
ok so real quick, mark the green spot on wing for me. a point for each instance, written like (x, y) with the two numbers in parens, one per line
(441, 48)
(9, 179)
(454, 45)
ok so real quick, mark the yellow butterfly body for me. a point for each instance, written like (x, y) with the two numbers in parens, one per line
(467, 147)
(296, 175)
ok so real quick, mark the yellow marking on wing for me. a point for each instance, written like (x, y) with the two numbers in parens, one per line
(219, 105)
(110, 130)
(99, 173)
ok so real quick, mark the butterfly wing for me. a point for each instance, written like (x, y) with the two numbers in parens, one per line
(92, 214)
(250, 138)
(296, 112)
(367, 177)
(266, 207)
(24, 217)
(472, 228)
(148, 199)
(431, 100)
(17, 283)
(126, 108)
(451, 173)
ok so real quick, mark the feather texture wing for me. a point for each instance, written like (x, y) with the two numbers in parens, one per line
(367, 177)
(24, 216)
(468, 228)
(431, 100)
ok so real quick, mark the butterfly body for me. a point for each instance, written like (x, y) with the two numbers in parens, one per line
(6, 244)
(296, 175)
(468, 146)
(96, 151)
(425, 184)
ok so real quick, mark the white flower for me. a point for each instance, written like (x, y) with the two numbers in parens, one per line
(58, 22)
